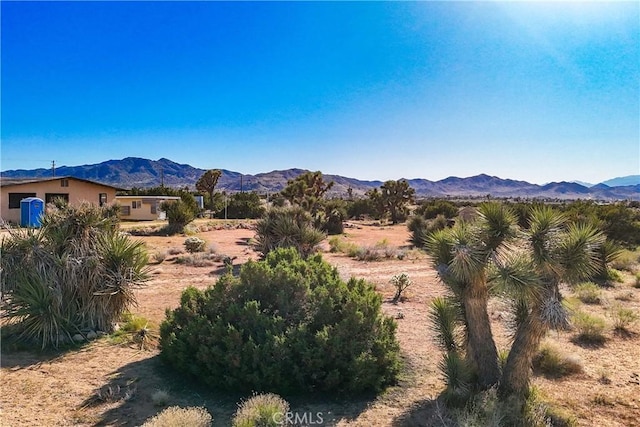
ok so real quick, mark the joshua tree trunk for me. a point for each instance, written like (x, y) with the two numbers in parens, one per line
(481, 346)
(516, 375)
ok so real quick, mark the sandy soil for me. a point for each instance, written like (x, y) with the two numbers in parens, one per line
(104, 383)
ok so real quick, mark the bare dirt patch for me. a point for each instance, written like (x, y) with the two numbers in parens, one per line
(103, 383)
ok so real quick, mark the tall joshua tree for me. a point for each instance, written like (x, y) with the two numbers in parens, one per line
(555, 253)
(395, 196)
(462, 256)
(207, 183)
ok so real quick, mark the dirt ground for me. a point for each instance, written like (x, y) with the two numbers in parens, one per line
(105, 383)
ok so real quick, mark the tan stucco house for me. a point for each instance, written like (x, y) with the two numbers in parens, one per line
(73, 190)
(142, 208)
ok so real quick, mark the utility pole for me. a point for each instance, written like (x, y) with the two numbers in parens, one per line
(162, 177)
(241, 184)
(53, 168)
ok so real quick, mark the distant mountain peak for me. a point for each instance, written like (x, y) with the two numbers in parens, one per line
(623, 181)
(139, 172)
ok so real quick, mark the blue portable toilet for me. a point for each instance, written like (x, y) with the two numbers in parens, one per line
(31, 209)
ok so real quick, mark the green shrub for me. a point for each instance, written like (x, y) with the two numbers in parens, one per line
(623, 318)
(330, 218)
(262, 410)
(626, 260)
(588, 293)
(550, 362)
(590, 328)
(420, 228)
(432, 208)
(360, 208)
(287, 227)
(401, 282)
(614, 275)
(284, 324)
(637, 281)
(194, 244)
(175, 416)
(246, 205)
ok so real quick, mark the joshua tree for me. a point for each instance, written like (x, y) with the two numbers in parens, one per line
(526, 266)
(394, 196)
(462, 255)
(207, 183)
(307, 191)
(555, 253)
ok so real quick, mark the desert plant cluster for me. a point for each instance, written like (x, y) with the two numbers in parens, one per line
(290, 322)
(71, 277)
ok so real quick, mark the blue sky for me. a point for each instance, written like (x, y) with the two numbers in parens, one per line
(373, 90)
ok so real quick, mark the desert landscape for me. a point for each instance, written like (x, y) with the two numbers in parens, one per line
(111, 381)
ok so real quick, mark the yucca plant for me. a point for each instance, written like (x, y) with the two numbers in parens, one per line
(75, 272)
(558, 253)
(287, 227)
(39, 306)
(463, 255)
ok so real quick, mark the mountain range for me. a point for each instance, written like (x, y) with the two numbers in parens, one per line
(138, 172)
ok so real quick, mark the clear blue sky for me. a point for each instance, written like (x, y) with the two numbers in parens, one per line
(372, 90)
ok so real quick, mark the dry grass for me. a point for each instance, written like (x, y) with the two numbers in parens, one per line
(60, 389)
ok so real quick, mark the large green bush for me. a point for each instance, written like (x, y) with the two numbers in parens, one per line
(285, 324)
(242, 206)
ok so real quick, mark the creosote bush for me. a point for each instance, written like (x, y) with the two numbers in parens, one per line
(590, 328)
(262, 410)
(588, 293)
(176, 416)
(285, 324)
(623, 318)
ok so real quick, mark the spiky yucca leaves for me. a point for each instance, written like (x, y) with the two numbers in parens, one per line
(38, 304)
(447, 323)
(558, 253)
(462, 256)
(123, 268)
(287, 227)
(75, 272)
(459, 377)
(608, 253)
(497, 224)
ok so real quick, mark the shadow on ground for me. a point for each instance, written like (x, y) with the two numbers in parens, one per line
(425, 413)
(128, 401)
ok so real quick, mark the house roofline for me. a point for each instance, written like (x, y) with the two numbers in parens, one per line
(8, 182)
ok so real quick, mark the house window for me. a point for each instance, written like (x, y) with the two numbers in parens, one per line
(102, 199)
(136, 204)
(64, 182)
(50, 197)
(125, 210)
(15, 198)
